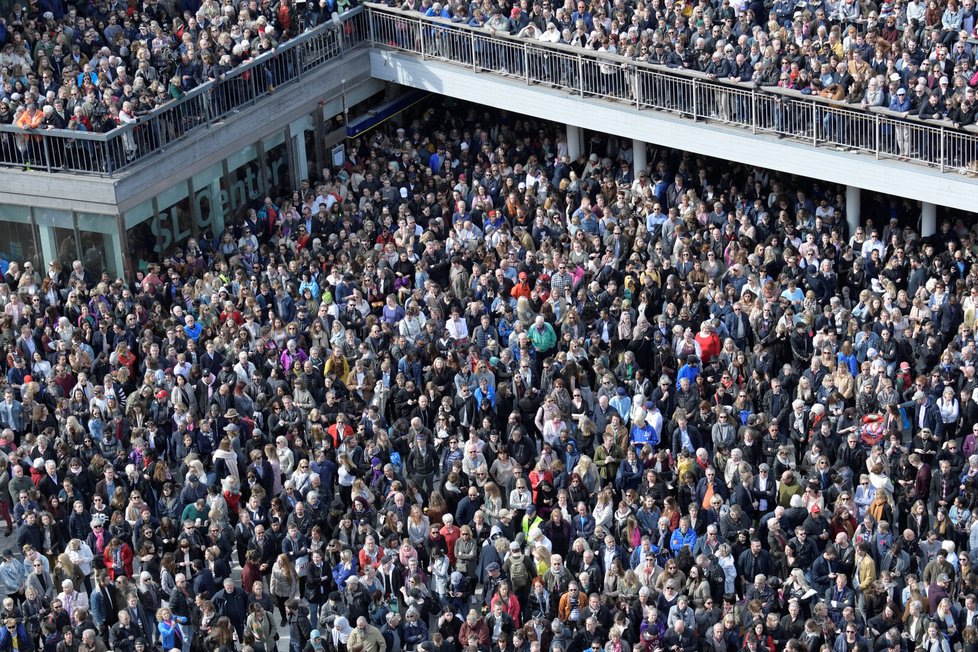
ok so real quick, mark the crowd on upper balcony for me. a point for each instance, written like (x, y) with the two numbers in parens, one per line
(91, 65)
(892, 54)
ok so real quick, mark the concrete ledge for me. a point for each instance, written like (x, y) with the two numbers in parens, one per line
(58, 191)
(269, 115)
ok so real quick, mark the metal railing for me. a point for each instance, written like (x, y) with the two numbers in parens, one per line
(106, 154)
(763, 110)
(789, 114)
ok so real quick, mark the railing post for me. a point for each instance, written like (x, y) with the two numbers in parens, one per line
(421, 39)
(107, 153)
(207, 104)
(943, 146)
(370, 25)
(814, 124)
(475, 63)
(526, 63)
(753, 110)
(879, 134)
(637, 76)
(47, 153)
(696, 92)
(580, 75)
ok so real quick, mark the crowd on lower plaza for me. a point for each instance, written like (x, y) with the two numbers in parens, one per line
(468, 392)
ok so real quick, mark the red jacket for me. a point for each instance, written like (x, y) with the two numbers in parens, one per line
(709, 346)
(109, 559)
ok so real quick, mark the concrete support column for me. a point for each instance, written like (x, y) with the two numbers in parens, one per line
(928, 219)
(640, 156)
(853, 208)
(573, 142)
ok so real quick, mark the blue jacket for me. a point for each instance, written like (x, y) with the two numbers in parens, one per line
(678, 539)
(687, 371)
(636, 556)
(341, 573)
(582, 526)
(644, 435)
(12, 416)
(12, 575)
(416, 632)
(170, 633)
(628, 478)
(98, 608)
(490, 395)
(897, 105)
(24, 642)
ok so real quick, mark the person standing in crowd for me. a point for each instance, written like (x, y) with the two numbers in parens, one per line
(569, 394)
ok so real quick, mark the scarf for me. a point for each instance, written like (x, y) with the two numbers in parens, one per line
(341, 630)
(231, 460)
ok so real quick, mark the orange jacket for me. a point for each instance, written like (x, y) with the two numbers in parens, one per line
(27, 121)
(521, 290)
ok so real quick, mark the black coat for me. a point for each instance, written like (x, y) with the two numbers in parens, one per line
(319, 583)
(234, 605)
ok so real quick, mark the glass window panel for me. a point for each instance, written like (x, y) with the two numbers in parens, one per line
(246, 187)
(211, 199)
(175, 219)
(57, 235)
(277, 167)
(17, 236)
(141, 236)
(98, 238)
(310, 137)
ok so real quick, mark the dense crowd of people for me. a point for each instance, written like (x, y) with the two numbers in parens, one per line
(92, 66)
(916, 58)
(471, 391)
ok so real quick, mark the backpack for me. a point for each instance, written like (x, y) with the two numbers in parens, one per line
(873, 430)
(518, 574)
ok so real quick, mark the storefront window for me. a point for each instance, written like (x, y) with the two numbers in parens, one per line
(277, 165)
(304, 131)
(17, 241)
(98, 238)
(246, 186)
(56, 231)
(211, 200)
(310, 137)
(141, 235)
(175, 219)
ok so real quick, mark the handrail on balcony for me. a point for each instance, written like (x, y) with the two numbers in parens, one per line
(807, 119)
(787, 113)
(106, 154)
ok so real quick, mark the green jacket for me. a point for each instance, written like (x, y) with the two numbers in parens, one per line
(543, 340)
